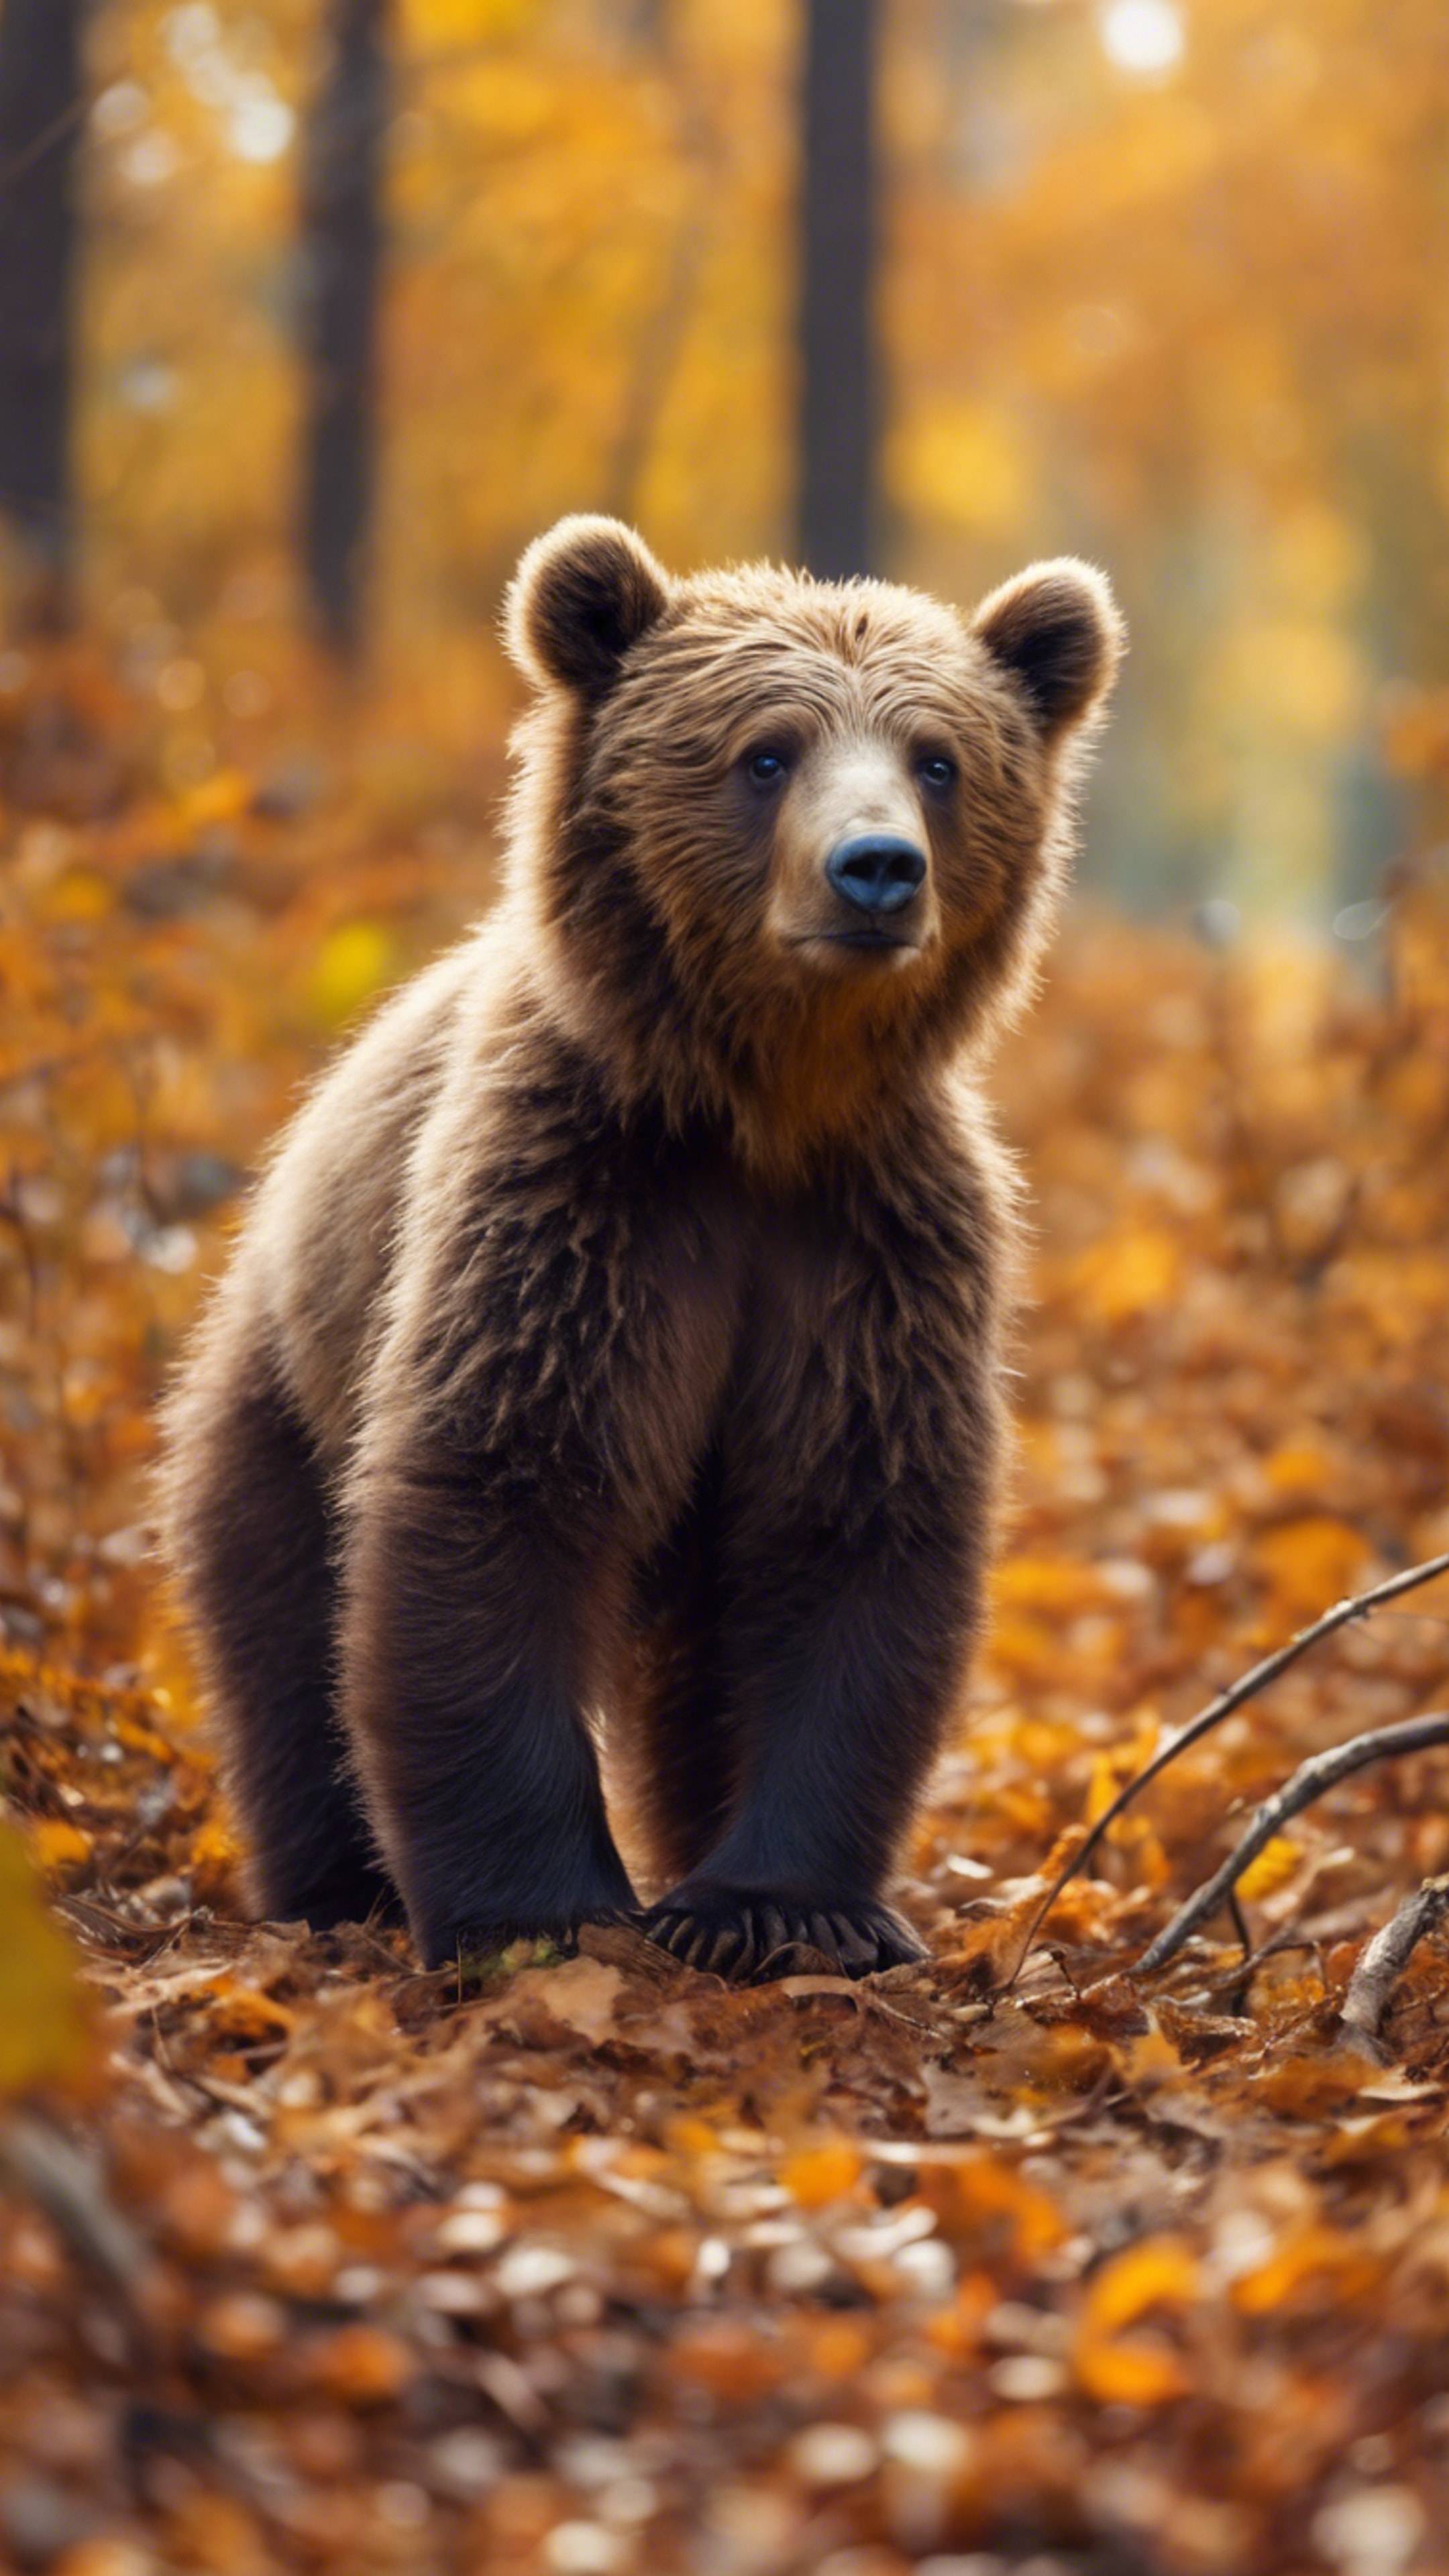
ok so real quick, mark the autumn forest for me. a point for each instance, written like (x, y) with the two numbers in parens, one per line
(1112, 2238)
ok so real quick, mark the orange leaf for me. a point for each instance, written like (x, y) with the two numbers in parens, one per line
(815, 2176)
(60, 1848)
(1137, 2370)
(1158, 2271)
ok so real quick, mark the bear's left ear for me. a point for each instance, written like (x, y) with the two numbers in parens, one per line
(1056, 630)
(580, 597)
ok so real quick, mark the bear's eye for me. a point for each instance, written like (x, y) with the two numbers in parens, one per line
(937, 769)
(766, 768)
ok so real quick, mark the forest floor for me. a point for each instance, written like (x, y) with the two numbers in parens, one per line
(592, 2266)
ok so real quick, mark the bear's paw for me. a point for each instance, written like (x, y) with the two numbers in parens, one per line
(751, 1937)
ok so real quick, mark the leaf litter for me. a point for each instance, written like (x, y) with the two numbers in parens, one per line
(593, 2265)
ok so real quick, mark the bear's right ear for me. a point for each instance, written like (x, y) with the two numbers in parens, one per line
(580, 597)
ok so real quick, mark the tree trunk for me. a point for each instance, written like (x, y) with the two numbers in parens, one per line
(342, 253)
(42, 107)
(838, 395)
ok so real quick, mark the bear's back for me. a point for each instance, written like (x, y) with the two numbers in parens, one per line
(317, 1249)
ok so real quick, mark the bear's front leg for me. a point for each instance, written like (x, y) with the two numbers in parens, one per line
(461, 1691)
(462, 1701)
(843, 1676)
(532, 1423)
(860, 1453)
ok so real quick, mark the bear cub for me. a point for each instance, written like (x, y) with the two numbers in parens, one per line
(613, 1340)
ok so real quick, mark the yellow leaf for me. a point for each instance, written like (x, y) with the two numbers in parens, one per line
(1130, 1273)
(351, 965)
(1105, 1782)
(44, 2025)
(1059, 1583)
(1276, 1863)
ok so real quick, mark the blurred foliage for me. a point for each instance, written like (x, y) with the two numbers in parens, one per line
(45, 2032)
(1163, 281)
(1188, 257)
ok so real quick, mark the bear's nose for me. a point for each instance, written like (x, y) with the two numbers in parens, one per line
(876, 871)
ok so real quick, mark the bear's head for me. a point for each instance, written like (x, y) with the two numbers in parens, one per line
(782, 838)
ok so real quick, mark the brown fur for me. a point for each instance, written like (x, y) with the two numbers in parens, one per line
(615, 1334)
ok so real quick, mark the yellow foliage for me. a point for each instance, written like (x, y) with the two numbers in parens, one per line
(1023, 1646)
(1312, 1563)
(964, 463)
(1277, 1862)
(351, 967)
(1318, 555)
(426, 23)
(1299, 1468)
(1305, 676)
(1129, 1274)
(1106, 1780)
(1059, 1584)
(44, 2025)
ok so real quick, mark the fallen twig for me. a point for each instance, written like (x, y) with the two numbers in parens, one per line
(1359, 1605)
(39, 2159)
(1310, 1781)
(1387, 1955)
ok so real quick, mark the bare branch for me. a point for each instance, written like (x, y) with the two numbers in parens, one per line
(1386, 1957)
(1310, 1781)
(1359, 1606)
(37, 2157)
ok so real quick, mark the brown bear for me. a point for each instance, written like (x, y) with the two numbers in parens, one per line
(614, 1337)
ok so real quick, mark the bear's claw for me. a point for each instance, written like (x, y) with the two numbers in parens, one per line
(751, 1939)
